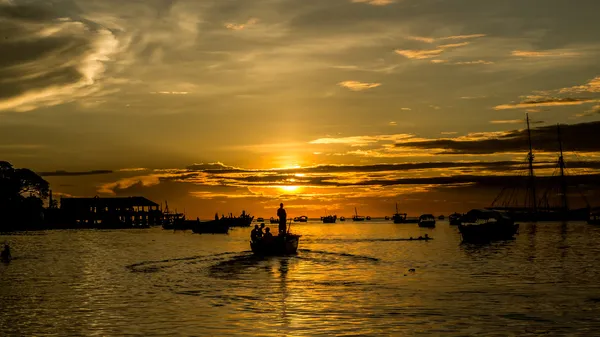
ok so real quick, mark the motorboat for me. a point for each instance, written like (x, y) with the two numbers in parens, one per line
(211, 227)
(286, 244)
(427, 220)
(483, 225)
(329, 219)
(454, 219)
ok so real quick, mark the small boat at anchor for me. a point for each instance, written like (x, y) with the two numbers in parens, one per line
(273, 220)
(454, 219)
(260, 219)
(357, 217)
(211, 227)
(329, 219)
(302, 218)
(483, 225)
(427, 221)
(342, 218)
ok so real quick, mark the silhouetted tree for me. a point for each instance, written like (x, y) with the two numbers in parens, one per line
(21, 196)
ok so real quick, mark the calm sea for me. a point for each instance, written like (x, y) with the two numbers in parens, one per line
(348, 279)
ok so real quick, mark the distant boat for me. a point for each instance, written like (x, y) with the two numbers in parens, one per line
(387, 217)
(441, 217)
(402, 217)
(357, 217)
(368, 217)
(302, 218)
(483, 225)
(211, 227)
(260, 219)
(594, 218)
(454, 219)
(342, 218)
(329, 219)
(244, 220)
(273, 220)
(427, 220)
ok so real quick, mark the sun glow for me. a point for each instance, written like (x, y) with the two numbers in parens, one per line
(289, 188)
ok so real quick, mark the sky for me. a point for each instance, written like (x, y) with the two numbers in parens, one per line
(325, 105)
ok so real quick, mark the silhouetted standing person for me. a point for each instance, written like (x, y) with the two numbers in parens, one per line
(282, 219)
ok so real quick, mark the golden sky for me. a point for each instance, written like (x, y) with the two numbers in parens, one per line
(219, 105)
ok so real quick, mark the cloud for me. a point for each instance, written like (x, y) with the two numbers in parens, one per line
(576, 137)
(419, 54)
(454, 45)
(49, 59)
(592, 86)
(545, 102)
(474, 62)
(446, 38)
(550, 53)
(508, 121)
(361, 140)
(240, 26)
(463, 37)
(375, 2)
(170, 92)
(358, 86)
(421, 39)
(68, 174)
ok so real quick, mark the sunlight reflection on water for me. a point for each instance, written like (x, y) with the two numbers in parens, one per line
(347, 279)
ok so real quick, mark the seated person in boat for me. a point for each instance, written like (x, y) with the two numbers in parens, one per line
(268, 235)
(262, 229)
(254, 234)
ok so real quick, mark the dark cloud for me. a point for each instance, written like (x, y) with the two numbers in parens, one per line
(47, 58)
(575, 137)
(67, 174)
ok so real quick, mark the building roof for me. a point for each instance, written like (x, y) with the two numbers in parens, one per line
(105, 202)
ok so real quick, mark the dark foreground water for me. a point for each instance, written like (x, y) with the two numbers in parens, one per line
(348, 279)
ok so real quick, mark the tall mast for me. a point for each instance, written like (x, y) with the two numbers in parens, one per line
(563, 180)
(530, 157)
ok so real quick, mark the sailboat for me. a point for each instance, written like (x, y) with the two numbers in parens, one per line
(357, 217)
(535, 208)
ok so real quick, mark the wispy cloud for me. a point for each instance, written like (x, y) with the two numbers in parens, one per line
(358, 86)
(446, 38)
(375, 2)
(474, 62)
(508, 121)
(593, 86)
(546, 53)
(419, 54)
(454, 45)
(170, 92)
(545, 103)
(62, 58)
(360, 140)
(240, 26)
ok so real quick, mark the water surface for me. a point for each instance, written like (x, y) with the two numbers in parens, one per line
(347, 279)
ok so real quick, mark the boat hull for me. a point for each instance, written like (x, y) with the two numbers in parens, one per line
(427, 224)
(211, 227)
(478, 233)
(279, 245)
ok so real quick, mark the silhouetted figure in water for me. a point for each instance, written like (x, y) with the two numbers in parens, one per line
(281, 213)
(5, 255)
(254, 234)
(216, 216)
(427, 237)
